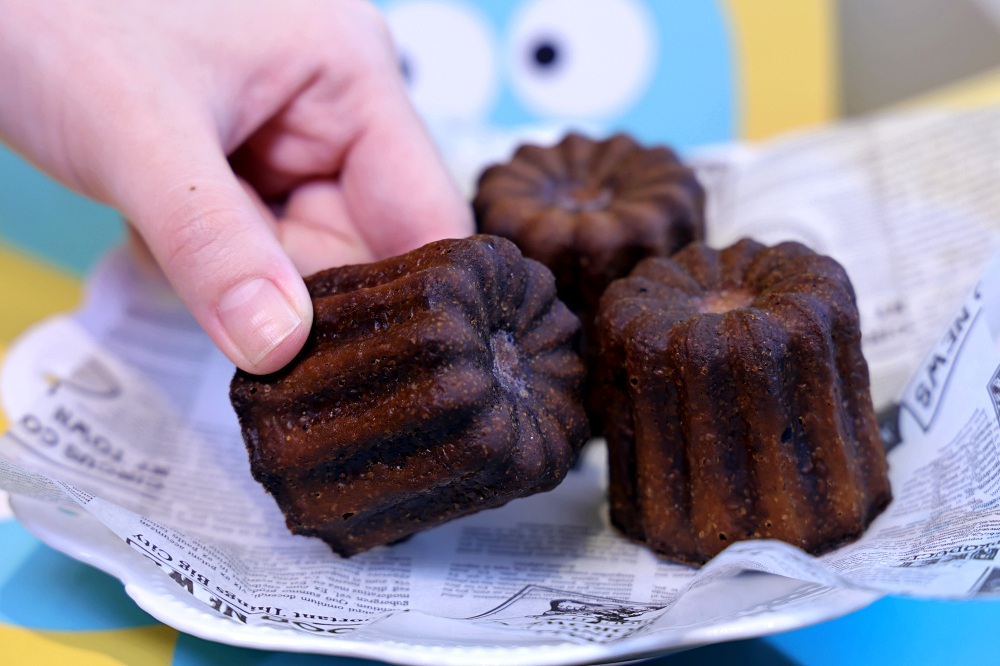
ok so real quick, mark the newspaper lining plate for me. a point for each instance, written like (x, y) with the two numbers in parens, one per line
(74, 532)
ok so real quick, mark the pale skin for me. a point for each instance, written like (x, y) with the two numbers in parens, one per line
(247, 142)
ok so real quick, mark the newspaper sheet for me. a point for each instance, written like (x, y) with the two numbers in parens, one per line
(122, 409)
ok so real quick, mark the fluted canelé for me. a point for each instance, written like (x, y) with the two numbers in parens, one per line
(738, 402)
(590, 210)
(433, 385)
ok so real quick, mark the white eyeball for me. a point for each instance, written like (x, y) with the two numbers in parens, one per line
(448, 55)
(581, 59)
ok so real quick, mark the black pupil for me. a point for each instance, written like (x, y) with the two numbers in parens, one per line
(546, 54)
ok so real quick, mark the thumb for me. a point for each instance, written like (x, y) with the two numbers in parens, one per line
(218, 251)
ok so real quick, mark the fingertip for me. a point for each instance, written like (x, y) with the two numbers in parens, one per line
(463, 219)
(451, 219)
(453, 213)
(263, 326)
(445, 218)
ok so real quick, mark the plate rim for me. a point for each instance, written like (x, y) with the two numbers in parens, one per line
(38, 518)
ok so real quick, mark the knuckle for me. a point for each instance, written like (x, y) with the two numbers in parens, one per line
(361, 32)
(198, 239)
(366, 17)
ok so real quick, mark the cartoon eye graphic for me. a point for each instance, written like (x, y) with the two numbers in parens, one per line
(581, 58)
(447, 55)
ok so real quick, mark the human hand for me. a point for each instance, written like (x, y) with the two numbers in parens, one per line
(198, 120)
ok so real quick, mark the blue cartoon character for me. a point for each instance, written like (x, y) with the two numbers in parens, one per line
(487, 75)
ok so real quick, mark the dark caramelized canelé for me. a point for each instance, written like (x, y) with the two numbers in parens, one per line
(738, 403)
(590, 210)
(433, 385)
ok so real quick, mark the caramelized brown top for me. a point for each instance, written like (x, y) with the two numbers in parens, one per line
(589, 210)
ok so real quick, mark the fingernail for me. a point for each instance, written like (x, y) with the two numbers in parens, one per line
(257, 317)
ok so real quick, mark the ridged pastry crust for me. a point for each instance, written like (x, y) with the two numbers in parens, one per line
(433, 385)
(738, 402)
(590, 210)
